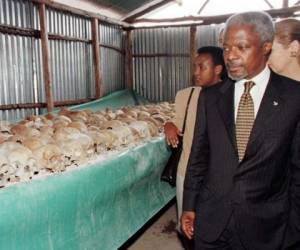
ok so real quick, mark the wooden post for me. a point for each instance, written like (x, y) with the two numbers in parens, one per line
(96, 57)
(193, 31)
(285, 3)
(45, 57)
(129, 60)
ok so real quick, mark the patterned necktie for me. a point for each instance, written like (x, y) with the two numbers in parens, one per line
(244, 119)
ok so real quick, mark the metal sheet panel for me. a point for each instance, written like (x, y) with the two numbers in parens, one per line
(71, 61)
(17, 13)
(17, 60)
(159, 77)
(127, 6)
(207, 35)
(112, 61)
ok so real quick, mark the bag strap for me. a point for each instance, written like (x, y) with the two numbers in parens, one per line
(186, 109)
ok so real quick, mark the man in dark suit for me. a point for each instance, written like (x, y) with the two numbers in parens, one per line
(242, 186)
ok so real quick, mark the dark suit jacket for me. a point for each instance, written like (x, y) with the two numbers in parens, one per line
(262, 192)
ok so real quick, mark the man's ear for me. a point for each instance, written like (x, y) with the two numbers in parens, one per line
(218, 69)
(267, 48)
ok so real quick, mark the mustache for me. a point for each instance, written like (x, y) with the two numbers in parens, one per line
(233, 64)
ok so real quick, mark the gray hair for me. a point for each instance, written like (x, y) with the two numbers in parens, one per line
(261, 22)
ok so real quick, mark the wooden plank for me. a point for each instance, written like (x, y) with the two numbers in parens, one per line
(45, 57)
(167, 26)
(113, 48)
(96, 57)
(130, 18)
(129, 60)
(161, 55)
(193, 31)
(269, 4)
(202, 7)
(44, 105)
(285, 3)
(18, 31)
(22, 106)
(67, 38)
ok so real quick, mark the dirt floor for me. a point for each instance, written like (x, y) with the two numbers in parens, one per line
(159, 234)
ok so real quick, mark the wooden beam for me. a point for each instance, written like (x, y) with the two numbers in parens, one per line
(70, 9)
(145, 9)
(269, 4)
(96, 56)
(43, 105)
(121, 51)
(161, 55)
(168, 26)
(193, 33)
(45, 57)
(285, 3)
(18, 31)
(202, 7)
(129, 60)
(67, 38)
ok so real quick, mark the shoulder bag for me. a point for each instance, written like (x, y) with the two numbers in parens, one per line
(170, 171)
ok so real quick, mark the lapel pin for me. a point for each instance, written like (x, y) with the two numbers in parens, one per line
(275, 103)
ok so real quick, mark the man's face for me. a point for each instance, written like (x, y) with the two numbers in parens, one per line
(244, 55)
(205, 73)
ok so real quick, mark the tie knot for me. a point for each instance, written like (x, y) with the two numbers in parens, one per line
(248, 85)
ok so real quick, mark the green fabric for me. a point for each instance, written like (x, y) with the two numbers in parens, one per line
(94, 207)
(115, 100)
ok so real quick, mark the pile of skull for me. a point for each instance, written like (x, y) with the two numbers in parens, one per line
(41, 145)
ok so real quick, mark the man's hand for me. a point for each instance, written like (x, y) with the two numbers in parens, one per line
(172, 133)
(187, 223)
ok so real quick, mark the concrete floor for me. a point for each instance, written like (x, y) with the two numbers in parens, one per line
(159, 234)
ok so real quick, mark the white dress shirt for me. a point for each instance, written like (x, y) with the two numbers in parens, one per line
(257, 91)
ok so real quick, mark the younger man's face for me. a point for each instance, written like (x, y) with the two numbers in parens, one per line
(204, 71)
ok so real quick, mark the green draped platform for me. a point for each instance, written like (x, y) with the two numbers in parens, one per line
(94, 207)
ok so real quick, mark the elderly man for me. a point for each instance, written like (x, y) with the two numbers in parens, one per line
(242, 186)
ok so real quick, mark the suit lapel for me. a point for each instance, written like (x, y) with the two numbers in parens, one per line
(226, 109)
(270, 105)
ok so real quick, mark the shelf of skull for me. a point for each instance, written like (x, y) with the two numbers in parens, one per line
(82, 178)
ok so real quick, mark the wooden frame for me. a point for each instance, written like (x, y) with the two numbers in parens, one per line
(193, 32)
(96, 57)
(43, 105)
(129, 60)
(46, 56)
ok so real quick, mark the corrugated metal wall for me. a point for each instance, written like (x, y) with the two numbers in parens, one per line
(71, 61)
(112, 60)
(161, 62)
(207, 35)
(71, 65)
(159, 77)
(17, 59)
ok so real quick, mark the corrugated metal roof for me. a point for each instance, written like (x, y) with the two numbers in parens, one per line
(124, 5)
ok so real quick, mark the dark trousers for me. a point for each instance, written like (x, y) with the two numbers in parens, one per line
(186, 243)
(228, 240)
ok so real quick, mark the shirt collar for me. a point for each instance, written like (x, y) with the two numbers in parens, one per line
(261, 79)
